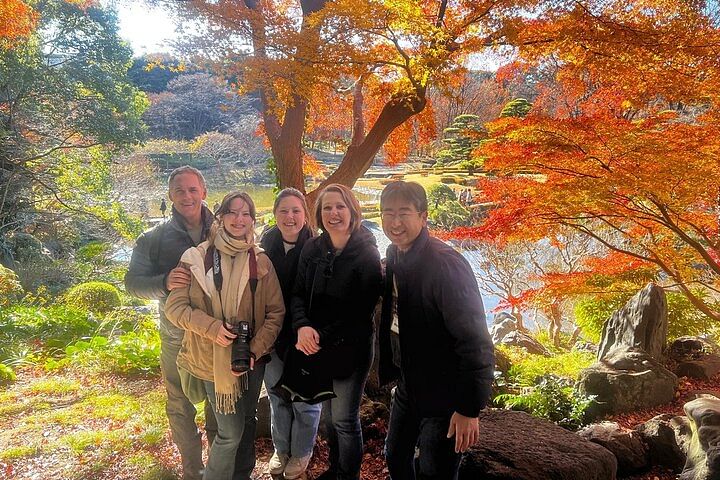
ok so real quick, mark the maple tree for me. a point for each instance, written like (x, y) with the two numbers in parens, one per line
(622, 146)
(17, 19)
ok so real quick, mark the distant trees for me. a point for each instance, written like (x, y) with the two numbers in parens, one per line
(63, 90)
(192, 105)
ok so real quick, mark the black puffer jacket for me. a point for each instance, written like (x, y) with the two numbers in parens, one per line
(336, 294)
(156, 252)
(286, 266)
(447, 356)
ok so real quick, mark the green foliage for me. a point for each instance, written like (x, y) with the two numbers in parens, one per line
(518, 107)
(440, 193)
(28, 333)
(551, 399)
(462, 138)
(526, 368)
(68, 88)
(591, 313)
(449, 215)
(10, 289)
(97, 297)
(132, 352)
(6, 374)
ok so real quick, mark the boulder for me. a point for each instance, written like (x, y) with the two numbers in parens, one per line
(626, 379)
(502, 325)
(703, 458)
(641, 323)
(694, 357)
(520, 339)
(667, 437)
(627, 445)
(517, 446)
(582, 346)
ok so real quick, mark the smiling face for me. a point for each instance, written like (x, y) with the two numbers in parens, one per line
(238, 221)
(187, 194)
(290, 217)
(401, 222)
(335, 214)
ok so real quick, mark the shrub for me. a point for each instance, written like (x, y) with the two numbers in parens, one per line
(131, 352)
(10, 289)
(28, 332)
(440, 193)
(7, 374)
(551, 399)
(449, 215)
(98, 297)
(526, 368)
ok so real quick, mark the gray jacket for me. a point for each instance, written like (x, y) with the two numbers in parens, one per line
(156, 252)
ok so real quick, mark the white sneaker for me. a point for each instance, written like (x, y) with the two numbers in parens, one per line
(296, 466)
(277, 463)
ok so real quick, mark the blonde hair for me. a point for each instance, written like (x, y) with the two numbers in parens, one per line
(349, 200)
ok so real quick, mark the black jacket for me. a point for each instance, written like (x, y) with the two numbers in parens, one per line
(336, 294)
(286, 266)
(156, 252)
(447, 357)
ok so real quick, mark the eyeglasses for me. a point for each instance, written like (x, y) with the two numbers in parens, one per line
(392, 216)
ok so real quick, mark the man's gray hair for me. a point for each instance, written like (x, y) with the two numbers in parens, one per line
(187, 169)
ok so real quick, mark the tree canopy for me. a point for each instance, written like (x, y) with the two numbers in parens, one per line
(63, 89)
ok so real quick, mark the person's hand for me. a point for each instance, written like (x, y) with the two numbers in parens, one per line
(252, 367)
(224, 336)
(178, 277)
(466, 431)
(308, 340)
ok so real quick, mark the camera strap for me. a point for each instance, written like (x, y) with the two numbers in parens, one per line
(253, 280)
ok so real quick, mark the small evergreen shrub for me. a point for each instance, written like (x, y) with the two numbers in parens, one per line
(11, 291)
(97, 297)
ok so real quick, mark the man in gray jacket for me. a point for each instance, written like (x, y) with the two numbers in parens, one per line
(152, 274)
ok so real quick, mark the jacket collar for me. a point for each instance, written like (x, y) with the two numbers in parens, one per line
(413, 254)
(177, 221)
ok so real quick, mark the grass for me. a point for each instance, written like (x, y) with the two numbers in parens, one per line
(16, 453)
(526, 368)
(54, 386)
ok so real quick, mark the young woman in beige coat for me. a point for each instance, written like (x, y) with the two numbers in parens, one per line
(220, 296)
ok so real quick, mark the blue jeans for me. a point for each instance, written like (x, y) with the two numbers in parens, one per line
(181, 413)
(293, 425)
(342, 421)
(408, 431)
(232, 454)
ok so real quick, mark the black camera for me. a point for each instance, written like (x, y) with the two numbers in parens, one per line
(240, 353)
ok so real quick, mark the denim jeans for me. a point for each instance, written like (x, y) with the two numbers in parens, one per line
(407, 431)
(342, 421)
(232, 455)
(293, 425)
(181, 413)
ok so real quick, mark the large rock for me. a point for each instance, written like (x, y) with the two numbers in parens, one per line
(627, 445)
(503, 324)
(667, 437)
(520, 339)
(626, 379)
(703, 459)
(695, 357)
(641, 323)
(517, 446)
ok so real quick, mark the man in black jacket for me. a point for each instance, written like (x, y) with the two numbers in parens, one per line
(433, 337)
(152, 274)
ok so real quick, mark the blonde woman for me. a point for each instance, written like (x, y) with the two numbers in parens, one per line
(293, 424)
(337, 286)
(229, 276)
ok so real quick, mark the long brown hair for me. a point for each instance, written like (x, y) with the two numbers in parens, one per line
(225, 208)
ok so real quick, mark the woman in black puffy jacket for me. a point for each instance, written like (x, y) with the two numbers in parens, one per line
(336, 289)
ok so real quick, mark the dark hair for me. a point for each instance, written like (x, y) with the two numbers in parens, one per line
(291, 192)
(349, 200)
(187, 169)
(411, 192)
